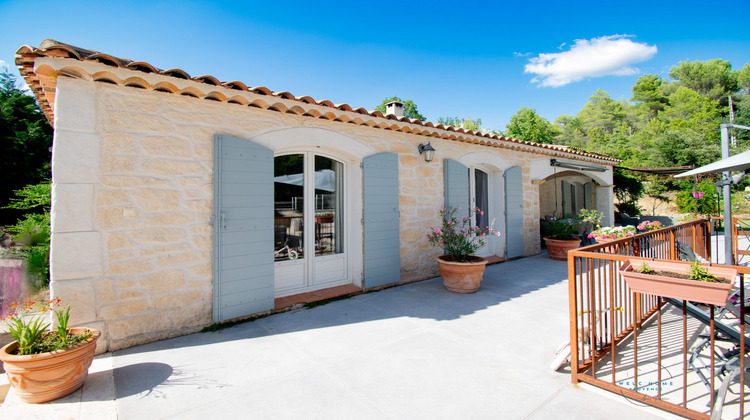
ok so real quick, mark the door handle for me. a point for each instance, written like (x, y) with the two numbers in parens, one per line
(223, 220)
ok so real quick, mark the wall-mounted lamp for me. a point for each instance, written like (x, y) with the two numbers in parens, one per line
(428, 151)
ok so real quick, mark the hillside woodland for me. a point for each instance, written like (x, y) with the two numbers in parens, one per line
(666, 123)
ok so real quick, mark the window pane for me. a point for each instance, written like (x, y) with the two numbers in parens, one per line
(482, 198)
(329, 206)
(288, 206)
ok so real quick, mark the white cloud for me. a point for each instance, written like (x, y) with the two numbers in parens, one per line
(611, 55)
(3, 65)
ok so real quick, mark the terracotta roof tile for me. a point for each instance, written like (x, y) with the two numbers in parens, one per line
(285, 95)
(142, 67)
(44, 85)
(207, 79)
(261, 90)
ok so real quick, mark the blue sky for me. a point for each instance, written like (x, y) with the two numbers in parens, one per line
(473, 59)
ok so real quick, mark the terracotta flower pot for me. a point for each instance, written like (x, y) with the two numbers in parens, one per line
(461, 277)
(558, 248)
(38, 378)
(683, 289)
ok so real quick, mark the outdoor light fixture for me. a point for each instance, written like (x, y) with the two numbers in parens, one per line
(574, 165)
(428, 151)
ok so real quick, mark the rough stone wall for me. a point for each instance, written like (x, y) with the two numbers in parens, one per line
(133, 202)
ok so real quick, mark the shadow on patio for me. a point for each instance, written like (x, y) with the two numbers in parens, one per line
(413, 351)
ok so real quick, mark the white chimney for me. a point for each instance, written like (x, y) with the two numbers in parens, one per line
(396, 108)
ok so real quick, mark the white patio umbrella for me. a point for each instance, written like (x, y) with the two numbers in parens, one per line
(738, 162)
(325, 179)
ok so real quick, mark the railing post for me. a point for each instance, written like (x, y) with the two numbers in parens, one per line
(735, 239)
(672, 245)
(573, 305)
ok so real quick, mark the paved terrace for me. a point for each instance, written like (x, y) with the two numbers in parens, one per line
(410, 352)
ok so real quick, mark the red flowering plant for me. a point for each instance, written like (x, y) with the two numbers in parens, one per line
(30, 331)
(457, 235)
(650, 225)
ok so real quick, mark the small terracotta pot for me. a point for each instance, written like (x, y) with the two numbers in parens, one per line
(683, 289)
(461, 277)
(43, 377)
(558, 248)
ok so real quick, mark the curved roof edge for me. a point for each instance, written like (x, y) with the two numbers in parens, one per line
(43, 87)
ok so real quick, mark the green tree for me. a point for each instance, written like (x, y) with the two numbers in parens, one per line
(657, 191)
(707, 204)
(410, 108)
(712, 79)
(571, 129)
(526, 124)
(32, 231)
(602, 112)
(648, 93)
(627, 190)
(25, 140)
(743, 79)
(465, 123)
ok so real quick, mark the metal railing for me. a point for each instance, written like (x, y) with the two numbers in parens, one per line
(646, 348)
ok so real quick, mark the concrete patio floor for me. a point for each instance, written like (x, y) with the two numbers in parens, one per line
(410, 352)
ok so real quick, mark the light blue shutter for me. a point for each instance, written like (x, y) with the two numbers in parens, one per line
(243, 228)
(382, 250)
(514, 239)
(567, 199)
(588, 196)
(456, 178)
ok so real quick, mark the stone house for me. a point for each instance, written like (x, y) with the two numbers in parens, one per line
(180, 201)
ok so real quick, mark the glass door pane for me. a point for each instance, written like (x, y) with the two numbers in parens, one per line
(289, 183)
(329, 206)
(481, 192)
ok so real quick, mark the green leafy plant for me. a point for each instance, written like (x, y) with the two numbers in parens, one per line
(591, 216)
(31, 332)
(456, 235)
(562, 228)
(706, 198)
(32, 232)
(645, 269)
(698, 272)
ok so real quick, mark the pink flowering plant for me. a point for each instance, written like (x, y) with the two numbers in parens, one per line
(613, 232)
(457, 235)
(650, 225)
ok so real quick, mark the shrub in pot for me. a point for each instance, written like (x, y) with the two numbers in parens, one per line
(461, 270)
(45, 365)
(560, 238)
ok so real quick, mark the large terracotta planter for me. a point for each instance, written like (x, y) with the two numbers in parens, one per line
(38, 378)
(461, 277)
(558, 248)
(682, 289)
